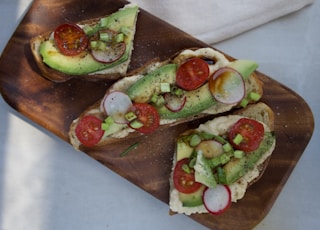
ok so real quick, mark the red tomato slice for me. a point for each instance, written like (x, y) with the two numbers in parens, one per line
(252, 132)
(148, 116)
(184, 182)
(192, 74)
(89, 130)
(70, 39)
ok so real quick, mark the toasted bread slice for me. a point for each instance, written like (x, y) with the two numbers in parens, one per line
(260, 112)
(57, 67)
(252, 82)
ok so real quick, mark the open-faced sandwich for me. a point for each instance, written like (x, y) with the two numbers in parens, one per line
(214, 164)
(94, 49)
(192, 84)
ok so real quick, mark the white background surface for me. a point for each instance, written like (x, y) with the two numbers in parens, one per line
(46, 185)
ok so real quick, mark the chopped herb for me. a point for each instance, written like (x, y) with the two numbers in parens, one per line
(186, 168)
(254, 96)
(238, 139)
(125, 152)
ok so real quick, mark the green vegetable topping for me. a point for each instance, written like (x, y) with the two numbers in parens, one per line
(164, 87)
(125, 152)
(227, 147)
(130, 116)
(107, 123)
(105, 37)
(254, 96)
(136, 124)
(104, 22)
(244, 102)
(238, 138)
(186, 168)
(238, 154)
(195, 140)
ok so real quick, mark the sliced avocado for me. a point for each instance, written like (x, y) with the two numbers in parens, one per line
(254, 156)
(237, 167)
(124, 17)
(74, 65)
(143, 90)
(183, 150)
(84, 63)
(201, 98)
(232, 171)
(192, 199)
(203, 171)
(197, 101)
(244, 67)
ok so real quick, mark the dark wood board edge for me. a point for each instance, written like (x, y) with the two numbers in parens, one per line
(274, 92)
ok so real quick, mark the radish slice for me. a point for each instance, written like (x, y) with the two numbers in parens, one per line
(173, 102)
(227, 86)
(111, 53)
(105, 48)
(217, 200)
(210, 148)
(116, 104)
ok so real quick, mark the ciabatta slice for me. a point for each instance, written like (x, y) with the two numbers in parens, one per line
(113, 73)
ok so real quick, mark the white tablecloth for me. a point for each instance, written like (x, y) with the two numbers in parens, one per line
(214, 20)
(46, 185)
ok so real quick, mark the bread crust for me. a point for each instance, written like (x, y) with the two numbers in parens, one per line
(57, 76)
(221, 108)
(45, 70)
(260, 112)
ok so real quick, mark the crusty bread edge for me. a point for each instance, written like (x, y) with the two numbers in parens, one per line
(268, 119)
(77, 145)
(58, 77)
(149, 66)
(250, 111)
(219, 108)
(46, 71)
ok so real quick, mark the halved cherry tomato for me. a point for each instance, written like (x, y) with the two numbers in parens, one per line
(252, 132)
(89, 130)
(70, 39)
(192, 74)
(184, 181)
(148, 116)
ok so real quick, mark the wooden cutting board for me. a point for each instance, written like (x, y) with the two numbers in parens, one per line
(54, 106)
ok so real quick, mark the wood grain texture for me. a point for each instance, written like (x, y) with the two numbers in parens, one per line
(54, 106)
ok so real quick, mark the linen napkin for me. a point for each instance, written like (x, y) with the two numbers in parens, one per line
(215, 20)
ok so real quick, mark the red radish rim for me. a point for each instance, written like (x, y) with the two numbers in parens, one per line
(220, 206)
(100, 56)
(173, 106)
(237, 93)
